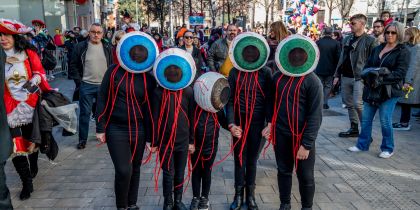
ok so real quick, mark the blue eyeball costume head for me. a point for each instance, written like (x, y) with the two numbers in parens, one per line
(173, 105)
(126, 91)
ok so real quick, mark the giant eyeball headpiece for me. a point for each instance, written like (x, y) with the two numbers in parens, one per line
(297, 56)
(137, 52)
(174, 69)
(211, 91)
(249, 52)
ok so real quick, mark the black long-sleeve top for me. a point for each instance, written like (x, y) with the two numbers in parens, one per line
(309, 103)
(261, 110)
(205, 127)
(185, 129)
(119, 114)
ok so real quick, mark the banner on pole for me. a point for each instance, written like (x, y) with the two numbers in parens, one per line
(196, 19)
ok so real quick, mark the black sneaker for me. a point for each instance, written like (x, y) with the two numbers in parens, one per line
(401, 126)
(81, 145)
(204, 203)
(194, 204)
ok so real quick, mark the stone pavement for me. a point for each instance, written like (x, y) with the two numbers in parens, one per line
(84, 179)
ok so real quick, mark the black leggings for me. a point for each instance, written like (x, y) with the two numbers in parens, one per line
(405, 113)
(127, 173)
(246, 173)
(174, 174)
(305, 171)
(201, 174)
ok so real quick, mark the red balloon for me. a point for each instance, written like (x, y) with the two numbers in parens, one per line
(81, 1)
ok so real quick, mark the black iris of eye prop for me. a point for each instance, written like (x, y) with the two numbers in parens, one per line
(173, 73)
(138, 53)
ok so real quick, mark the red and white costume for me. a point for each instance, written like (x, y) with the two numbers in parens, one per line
(20, 68)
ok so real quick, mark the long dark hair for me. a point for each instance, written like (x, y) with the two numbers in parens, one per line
(21, 44)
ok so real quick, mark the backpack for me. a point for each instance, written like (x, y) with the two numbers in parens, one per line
(49, 62)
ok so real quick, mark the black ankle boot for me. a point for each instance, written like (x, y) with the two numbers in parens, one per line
(133, 207)
(21, 164)
(352, 132)
(178, 202)
(250, 198)
(285, 206)
(168, 203)
(33, 164)
(238, 199)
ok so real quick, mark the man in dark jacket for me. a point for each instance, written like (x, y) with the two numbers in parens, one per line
(329, 53)
(356, 50)
(218, 52)
(90, 60)
(5, 141)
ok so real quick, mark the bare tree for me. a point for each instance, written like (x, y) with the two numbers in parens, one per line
(331, 5)
(344, 6)
(267, 4)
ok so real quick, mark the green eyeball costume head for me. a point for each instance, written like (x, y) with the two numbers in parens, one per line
(297, 56)
(249, 52)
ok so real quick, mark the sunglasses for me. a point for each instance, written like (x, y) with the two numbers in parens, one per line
(353, 23)
(188, 37)
(96, 32)
(391, 32)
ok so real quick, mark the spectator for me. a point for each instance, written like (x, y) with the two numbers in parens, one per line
(108, 37)
(199, 33)
(278, 32)
(194, 51)
(386, 17)
(218, 58)
(181, 31)
(129, 25)
(392, 59)
(168, 42)
(412, 79)
(329, 53)
(58, 38)
(115, 39)
(180, 42)
(6, 145)
(24, 76)
(90, 60)
(84, 35)
(158, 39)
(354, 54)
(378, 31)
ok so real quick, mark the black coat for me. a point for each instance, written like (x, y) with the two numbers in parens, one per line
(329, 54)
(77, 63)
(198, 59)
(5, 138)
(396, 61)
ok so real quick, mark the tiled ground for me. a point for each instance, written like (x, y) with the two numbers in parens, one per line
(84, 179)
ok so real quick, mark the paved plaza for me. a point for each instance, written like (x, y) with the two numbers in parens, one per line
(83, 179)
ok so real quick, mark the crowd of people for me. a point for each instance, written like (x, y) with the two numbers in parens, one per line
(372, 71)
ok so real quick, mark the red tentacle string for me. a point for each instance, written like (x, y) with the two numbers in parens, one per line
(249, 87)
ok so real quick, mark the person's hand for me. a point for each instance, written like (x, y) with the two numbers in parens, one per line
(236, 131)
(32, 147)
(302, 154)
(336, 79)
(101, 137)
(266, 133)
(191, 148)
(406, 86)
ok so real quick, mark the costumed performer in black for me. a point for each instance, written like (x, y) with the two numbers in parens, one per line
(124, 115)
(173, 108)
(211, 93)
(247, 110)
(297, 116)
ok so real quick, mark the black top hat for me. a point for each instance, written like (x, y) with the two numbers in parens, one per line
(126, 14)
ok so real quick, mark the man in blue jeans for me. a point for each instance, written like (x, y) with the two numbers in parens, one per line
(90, 60)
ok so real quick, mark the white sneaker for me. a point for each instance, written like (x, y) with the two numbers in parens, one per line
(385, 154)
(354, 149)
